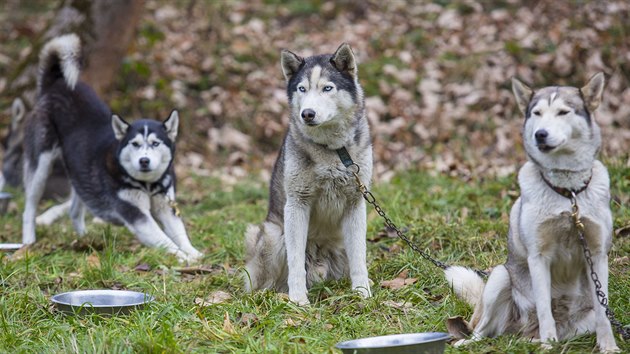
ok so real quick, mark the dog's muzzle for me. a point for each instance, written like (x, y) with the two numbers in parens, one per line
(145, 164)
(308, 115)
(541, 140)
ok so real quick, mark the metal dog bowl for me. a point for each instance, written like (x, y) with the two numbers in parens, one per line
(109, 302)
(409, 343)
(10, 246)
(5, 198)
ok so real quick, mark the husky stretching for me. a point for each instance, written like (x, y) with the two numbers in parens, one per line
(122, 172)
(544, 290)
(316, 225)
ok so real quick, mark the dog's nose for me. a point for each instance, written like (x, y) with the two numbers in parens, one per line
(541, 135)
(308, 115)
(144, 162)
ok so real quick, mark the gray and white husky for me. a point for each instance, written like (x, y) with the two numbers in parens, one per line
(316, 225)
(123, 173)
(544, 290)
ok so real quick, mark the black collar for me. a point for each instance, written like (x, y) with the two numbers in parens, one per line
(566, 192)
(344, 156)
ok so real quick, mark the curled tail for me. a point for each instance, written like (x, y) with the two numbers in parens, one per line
(467, 284)
(59, 59)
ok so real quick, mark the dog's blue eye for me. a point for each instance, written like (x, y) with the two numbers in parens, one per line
(328, 88)
(302, 89)
(155, 144)
(563, 112)
(135, 144)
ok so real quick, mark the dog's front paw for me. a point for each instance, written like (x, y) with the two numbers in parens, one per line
(194, 256)
(299, 299)
(462, 342)
(363, 290)
(610, 348)
(546, 346)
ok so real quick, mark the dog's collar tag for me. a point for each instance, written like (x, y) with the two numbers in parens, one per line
(565, 192)
(173, 205)
(344, 156)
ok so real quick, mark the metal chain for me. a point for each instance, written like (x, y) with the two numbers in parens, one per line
(601, 296)
(370, 199)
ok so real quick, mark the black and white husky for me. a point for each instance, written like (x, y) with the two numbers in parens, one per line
(545, 291)
(316, 225)
(123, 173)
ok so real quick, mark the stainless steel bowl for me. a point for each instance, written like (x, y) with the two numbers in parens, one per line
(5, 198)
(110, 302)
(425, 343)
(10, 246)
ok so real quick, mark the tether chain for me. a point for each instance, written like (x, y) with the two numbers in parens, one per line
(601, 296)
(370, 199)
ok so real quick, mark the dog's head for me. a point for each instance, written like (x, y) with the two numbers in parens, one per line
(322, 89)
(146, 146)
(559, 120)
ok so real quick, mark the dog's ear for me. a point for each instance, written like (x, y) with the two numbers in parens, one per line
(171, 124)
(120, 127)
(344, 60)
(290, 62)
(18, 110)
(593, 90)
(522, 93)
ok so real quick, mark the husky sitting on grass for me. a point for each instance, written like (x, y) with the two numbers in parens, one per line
(316, 225)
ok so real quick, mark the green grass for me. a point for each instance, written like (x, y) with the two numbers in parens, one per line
(456, 221)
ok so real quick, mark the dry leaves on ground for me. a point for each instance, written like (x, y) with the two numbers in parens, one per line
(216, 297)
(399, 282)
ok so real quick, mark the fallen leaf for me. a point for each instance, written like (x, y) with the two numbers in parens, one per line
(143, 267)
(94, 261)
(289, 322)
(202, 269)
(621, 261)
(398, 305)
(217, 297)
(228, 327)
(623, 231)
(398, 282)
(248, 319)
(458, 327)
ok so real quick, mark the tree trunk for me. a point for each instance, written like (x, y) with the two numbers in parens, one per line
(106, 28)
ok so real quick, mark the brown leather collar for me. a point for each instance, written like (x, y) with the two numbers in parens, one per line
(566, 192)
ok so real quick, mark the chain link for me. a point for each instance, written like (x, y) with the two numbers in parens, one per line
(370, 199)
(601, 296)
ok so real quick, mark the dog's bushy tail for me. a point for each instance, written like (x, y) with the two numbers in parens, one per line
(59, 59)
(467, 284)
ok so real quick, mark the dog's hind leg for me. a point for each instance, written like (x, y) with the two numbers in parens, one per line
(35, 175)
(354, 229)
(53, 213)
(266, 259)
(77, 214)
(496, 306)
